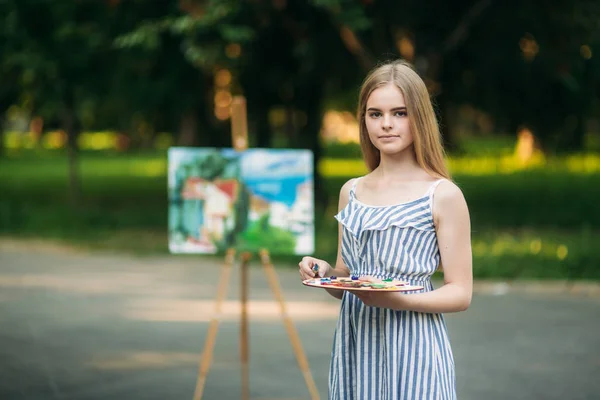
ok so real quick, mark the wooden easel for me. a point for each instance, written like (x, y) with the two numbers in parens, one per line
(240, 143)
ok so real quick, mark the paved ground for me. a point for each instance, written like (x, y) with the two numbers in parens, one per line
(81, 326)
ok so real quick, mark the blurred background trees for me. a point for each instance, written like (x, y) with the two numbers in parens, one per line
(172, 66)
(95, 82)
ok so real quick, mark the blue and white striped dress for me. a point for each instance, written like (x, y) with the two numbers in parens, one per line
(380, 353)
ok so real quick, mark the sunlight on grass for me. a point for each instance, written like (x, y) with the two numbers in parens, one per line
(580, 164)
(155, 165)
(341, 167)
(584, 164)
(530, 219)
(152, 167)
(97, 140)
(516, 245)
(535, 253)
(506, 164)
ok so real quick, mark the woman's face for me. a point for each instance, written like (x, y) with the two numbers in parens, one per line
(387, 120)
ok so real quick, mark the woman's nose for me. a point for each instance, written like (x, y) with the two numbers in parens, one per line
(386, 122)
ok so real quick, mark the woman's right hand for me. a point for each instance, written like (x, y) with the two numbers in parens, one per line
(307, 264)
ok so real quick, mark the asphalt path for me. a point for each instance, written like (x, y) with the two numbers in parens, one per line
(83, 326)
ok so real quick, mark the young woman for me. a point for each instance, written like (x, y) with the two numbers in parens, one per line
(404, 220)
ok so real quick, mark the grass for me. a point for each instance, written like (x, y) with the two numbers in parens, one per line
(536, 221)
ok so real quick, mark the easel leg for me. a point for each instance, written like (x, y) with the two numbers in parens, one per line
(214, 325)
(244, 326)
(292, 333)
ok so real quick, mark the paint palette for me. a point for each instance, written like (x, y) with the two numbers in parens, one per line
(355, 284)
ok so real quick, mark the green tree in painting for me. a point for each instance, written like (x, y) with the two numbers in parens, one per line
(262, 235)
(207, 166)
(210, 167)
(241, 208)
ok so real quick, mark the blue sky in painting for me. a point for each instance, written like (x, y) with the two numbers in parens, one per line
(272, 174)
(276, 163)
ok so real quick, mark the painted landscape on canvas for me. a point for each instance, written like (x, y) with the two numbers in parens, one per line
(251, 200)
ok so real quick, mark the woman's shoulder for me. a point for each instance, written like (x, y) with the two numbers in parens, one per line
(447, 190)
(448, 198)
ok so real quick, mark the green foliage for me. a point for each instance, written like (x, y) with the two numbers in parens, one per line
(517, 253)
(261, 235)
(203, 37)
(492, 145)
(524, 225)
(59, 53)
(540, 199)
(346, 12)
(342, 150)
(145, 67)
(130, 63)
(210, 166)
(241, 209)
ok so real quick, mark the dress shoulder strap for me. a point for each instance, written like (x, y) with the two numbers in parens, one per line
(431, 191)
(433, 186)
(353, 188)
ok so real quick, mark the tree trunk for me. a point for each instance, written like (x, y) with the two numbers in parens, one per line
(258, 112)
(262, 128)
(290, 130)
(579, 103)
(2, 150)
(435, 78)
(572, 137)
(446, 125)
(310, 138)
(71, 127)
(187, 129)
(219, 134)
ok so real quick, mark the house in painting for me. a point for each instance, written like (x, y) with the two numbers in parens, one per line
(209, 209)
(298, 217)
(301, 214)
(279, 215)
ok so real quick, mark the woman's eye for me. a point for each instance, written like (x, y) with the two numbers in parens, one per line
(375, 114)
(401, 114)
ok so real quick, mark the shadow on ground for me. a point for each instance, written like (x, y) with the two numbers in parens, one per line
(95, 326)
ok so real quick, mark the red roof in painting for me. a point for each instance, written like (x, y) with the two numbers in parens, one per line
(195, 179)
(229, 187)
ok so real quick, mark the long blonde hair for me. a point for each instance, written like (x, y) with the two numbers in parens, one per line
(422, 121)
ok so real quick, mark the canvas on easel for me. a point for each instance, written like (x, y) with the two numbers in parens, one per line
(251, 200)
